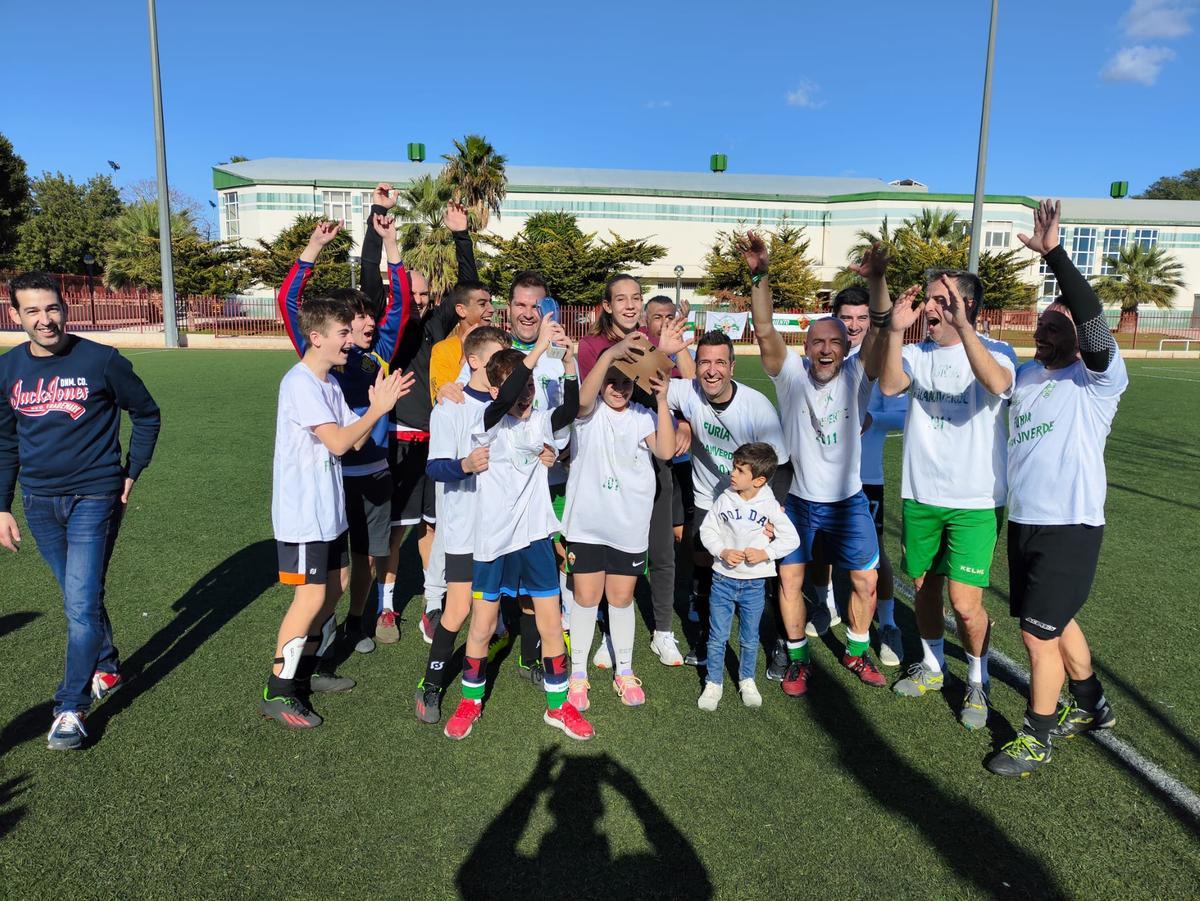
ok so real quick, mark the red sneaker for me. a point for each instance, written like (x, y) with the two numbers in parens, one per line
(795, 680)
(864, 669)
(387, 631)
(571, 722)
(460, 725)
(104, 684)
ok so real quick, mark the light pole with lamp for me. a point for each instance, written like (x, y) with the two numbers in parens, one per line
(981, 159)
(678, 284)
(354, 263)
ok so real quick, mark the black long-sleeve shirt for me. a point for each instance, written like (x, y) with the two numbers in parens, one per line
(60, 421)
(420, 334)
(1096, 343)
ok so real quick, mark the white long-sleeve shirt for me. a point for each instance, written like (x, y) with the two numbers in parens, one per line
(737, 524)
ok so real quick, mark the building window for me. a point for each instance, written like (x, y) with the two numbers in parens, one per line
(229, 212)
(1145, 238)
(337, 206)
(1114, 240)
(1083, 253)
(1049, 282)
(997, 239)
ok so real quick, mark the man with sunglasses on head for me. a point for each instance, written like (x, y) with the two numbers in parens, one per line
(954, 481)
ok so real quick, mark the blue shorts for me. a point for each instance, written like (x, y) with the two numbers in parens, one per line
(846, 528)
(531, 571)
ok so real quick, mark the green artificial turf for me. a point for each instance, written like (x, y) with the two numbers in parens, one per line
(851, 792)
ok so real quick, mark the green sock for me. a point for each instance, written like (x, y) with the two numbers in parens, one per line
(798, 650)
(857, 645)
(556, 697)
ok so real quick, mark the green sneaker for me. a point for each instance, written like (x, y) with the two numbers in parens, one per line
(974, 713)
(1019, 757)
(921, 680)
(1074, 720)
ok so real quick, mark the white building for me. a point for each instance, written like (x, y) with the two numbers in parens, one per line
(683, 211)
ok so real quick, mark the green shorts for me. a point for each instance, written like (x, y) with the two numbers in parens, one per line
(957, 544)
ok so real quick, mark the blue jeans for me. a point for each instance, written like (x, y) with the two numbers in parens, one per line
(747, 597)
(75, 535)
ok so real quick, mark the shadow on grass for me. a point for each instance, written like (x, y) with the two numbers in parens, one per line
(965, 836)
(574, 859)
(9, 791)
(216, 598)
(1154, 497)
(11, 622)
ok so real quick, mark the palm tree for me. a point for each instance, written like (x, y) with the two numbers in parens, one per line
(936, 225)
(424, 241)
(1139, 276)
(476, 172)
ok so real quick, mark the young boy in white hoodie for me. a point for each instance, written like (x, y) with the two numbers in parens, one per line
(734, 532)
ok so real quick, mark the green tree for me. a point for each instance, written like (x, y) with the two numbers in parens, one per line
(574, 263)
(476, 172)
(937, 239)
(1140, 276)
(201, 266)
(793, 284)
(425, 242)
(269, 262)
(1184, 186)
(14, 198)
(66, 221)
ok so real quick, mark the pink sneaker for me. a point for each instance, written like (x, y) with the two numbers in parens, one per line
(577, 693)
(629, 689)
(571, 722)
(104, 684)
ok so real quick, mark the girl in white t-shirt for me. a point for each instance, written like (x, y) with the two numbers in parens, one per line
(610, 494)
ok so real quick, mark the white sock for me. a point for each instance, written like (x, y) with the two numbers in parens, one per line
(568, 597)
(886, 611)
(830, 604)
(583, 631)
(433, 604)
(935, 654)
(387, 596)
(621, 625)
(977, 668)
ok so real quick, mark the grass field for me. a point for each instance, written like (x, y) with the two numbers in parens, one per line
(851, 792)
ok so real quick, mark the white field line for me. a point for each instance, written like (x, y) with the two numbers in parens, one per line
(1167, 378)
(1179, 793)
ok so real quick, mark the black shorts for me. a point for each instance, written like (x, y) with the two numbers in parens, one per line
(310, 562)
(600, 558)
(412, 492)
(698, 514)
(683, 500)
(1050, 572)
(459, 568)
(874, 495)
(369, 510)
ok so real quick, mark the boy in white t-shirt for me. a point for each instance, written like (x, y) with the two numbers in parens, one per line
(606, 521)
(954, 482)
(1061, 412)
(314, 428)
(734, 532)
(514, 554)
(454, 459)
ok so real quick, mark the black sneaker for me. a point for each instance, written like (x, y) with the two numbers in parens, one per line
(778, 664)
(329, 682)
(1020, 757)
(288, 710)
(429, 704)
(1074, 720)
(535, 673)
(698, 655)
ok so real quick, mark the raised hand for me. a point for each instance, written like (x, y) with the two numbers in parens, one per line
(954, 311)
(907, 309)
(874, 263)
(672, 339)
(389, 389)
(476, 460)
(629, 348)
(1045, 228)
(549, 332)
(754, 251)
(324, 233)
(384, 195)
(684, 308)
(385, 226)
(455, 218)
(658, 386)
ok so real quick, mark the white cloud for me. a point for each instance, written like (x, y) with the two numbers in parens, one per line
(1150, 19)
(1140, 64)
(804, 96)
(656, 104)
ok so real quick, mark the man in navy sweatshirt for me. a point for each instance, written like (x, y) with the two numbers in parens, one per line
(60, 430)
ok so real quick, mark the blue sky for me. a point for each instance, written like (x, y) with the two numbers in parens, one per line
(1085, 91)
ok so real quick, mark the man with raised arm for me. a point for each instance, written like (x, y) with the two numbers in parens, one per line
(954, 483)
(1061, 412)
(823, 403)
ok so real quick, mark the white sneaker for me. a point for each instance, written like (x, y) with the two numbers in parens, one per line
(711, 696)
(750, 695)
(891, 646)
(602, 659)
(664, 645)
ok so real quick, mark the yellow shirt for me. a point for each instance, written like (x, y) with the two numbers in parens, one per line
(445, 363)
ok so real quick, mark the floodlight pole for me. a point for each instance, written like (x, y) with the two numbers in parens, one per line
(981, 160)
(170, 329)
